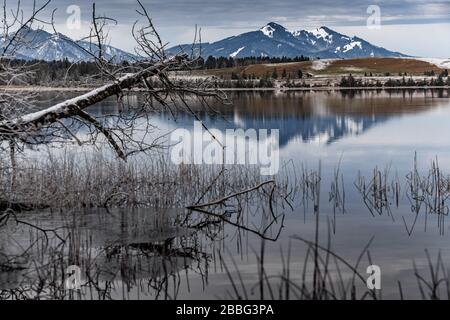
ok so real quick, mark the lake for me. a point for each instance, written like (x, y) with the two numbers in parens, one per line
(383, 159)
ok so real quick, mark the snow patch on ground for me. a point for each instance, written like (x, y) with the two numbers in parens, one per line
(321, 64)
(353, 69)
(441, 63)
(279, 64)
(234, 54)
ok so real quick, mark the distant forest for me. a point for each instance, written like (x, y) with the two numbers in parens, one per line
(56, 72)
(64, 72)
(229, 62)
(86, 74)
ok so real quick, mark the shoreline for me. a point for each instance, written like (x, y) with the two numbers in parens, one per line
(87, 89)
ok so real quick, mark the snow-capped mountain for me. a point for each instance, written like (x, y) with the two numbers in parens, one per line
(41, 45)
(327, 43)
(274, 40)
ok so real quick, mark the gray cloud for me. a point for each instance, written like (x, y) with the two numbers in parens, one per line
(250, 13)
(176, 18)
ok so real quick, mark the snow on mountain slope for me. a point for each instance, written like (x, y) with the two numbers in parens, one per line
(321, 33)
(270, 40)
(352, 46)
(234, 54)
(41, 45)
(274, 40)
(268, 31)
(331, 44)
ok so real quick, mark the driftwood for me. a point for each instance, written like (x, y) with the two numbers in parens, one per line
(73, 107)
(20, 125)
(222, 217)
(234, 195)
(32, 122)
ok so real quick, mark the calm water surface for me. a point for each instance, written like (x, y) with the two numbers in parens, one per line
(353, 131)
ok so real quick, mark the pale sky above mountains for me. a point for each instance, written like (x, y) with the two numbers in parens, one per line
(414, 27)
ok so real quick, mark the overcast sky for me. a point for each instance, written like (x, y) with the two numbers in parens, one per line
(416, 27)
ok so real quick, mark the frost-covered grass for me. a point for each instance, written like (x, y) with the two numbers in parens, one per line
(78, 180)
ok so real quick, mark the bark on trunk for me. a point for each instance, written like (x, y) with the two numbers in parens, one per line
(73, 106)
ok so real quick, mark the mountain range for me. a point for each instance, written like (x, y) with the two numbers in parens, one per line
(42, 45)
(274, 40)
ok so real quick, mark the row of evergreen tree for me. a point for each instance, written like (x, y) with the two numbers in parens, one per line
(352, 82)
(222, 83)
(432, 73)
(66, 73)
(56, 72)
(229, 62)
(274, 75)
(46, 72)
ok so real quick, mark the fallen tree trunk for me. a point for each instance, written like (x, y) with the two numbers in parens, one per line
(74, 107)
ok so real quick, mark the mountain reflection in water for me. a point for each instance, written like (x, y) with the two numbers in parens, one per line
(150, 253)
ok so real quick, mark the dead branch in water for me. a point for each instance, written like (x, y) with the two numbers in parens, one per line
(64, 120)
(224, 199)
(231, 208)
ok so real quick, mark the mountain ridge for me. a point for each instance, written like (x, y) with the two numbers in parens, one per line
(271, 40)
(274, 40)
(42, 45)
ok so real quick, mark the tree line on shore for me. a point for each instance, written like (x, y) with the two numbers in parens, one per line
(57, 73)
(65, 73)
(351, 82)
(230, 62)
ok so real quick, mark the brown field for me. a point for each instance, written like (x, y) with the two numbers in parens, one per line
(259, 70)
(378, 66)
(381, 66)
(267, 69)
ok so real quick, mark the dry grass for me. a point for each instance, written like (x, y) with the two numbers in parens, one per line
(266, 69)
(91, 181)
(378, 66)
(259, 70)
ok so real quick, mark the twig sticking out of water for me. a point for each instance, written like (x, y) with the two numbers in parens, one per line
(429, 193)
(228, 207)
(337, 194)
(380, 192)
(438, 285)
